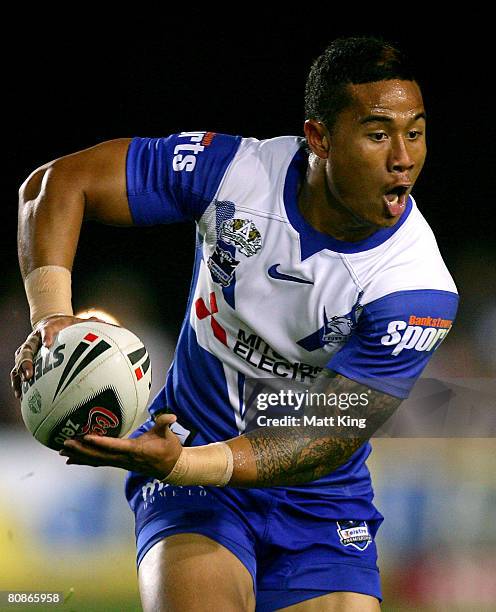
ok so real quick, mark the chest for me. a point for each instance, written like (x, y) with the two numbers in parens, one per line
(265, 296)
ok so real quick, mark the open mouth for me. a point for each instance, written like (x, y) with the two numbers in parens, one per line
(395, 200)
(396, 193)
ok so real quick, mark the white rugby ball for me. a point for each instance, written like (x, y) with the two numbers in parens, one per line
(94, 379)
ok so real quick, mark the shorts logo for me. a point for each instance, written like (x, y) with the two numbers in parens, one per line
(354, 533)
(155, 489)
(222, 265)
(243, 234)
(420, 333)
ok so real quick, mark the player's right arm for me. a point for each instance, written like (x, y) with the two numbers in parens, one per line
(142, 181)
(56, 197)
(53, 201)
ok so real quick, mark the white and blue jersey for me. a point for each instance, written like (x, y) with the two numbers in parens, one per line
(273, 297)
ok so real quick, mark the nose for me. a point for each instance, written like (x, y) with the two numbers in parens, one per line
(400, 159)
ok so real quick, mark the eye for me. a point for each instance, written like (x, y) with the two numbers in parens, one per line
(378, 136)
(414, 134)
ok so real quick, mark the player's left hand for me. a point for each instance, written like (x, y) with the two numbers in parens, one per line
(154, 453)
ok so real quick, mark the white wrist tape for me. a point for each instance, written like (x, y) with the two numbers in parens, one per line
(211, 464)
(48, 290)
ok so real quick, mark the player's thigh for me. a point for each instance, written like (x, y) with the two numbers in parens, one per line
(188, 571)
(337, 602)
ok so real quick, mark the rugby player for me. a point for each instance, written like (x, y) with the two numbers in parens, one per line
(313, 264)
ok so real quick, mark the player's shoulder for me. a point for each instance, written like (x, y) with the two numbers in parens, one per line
(420, 242)
(409, 261)
(271, 153)
(279, 145)
(256, 177)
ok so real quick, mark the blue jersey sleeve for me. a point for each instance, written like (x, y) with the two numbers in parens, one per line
(175, 178)
(395, 337)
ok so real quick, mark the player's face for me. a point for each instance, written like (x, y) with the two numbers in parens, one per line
(377, 149)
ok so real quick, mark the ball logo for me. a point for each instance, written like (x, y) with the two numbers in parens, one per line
(42, 366)
(99, 421)
(34, 402)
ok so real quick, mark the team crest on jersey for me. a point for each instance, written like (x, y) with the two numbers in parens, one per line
(222, 265)
(243, 234)
(354, 533)
(339, 329)
(336, 330)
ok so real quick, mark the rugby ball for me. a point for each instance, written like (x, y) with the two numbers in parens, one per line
(94, 379)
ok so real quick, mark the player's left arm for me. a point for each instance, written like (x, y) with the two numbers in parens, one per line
(395, 337)
(268, 456)
(283, 456)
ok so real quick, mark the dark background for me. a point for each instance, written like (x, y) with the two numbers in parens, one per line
(67, 90)
(70, 80)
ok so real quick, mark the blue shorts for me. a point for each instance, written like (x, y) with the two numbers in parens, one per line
(289, 541)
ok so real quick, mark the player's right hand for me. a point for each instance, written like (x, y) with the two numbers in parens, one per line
(44, 333)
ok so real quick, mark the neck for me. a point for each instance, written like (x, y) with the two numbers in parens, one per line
(323, 211)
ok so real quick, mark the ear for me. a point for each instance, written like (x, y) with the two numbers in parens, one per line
(317, 137)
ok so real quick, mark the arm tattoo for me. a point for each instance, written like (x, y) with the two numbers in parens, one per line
(294, 455)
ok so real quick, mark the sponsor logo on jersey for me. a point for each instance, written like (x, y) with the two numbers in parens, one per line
(207, 139)
(242, 234)
(354, 533)
(222, 265)
(194, 143)
(255, 351)
(203, 312)
(418, 333)
(274, 273)
(430, 322)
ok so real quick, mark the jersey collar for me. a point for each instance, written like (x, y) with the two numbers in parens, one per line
(311, 240)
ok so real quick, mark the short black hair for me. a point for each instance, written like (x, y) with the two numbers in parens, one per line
(353, 60)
